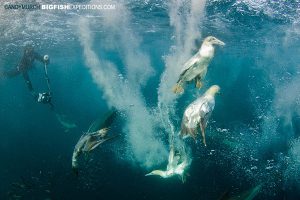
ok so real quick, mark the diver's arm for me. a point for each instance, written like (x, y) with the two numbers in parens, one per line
(38, 57)
(13, 72)
(41, 58)
(10, 73)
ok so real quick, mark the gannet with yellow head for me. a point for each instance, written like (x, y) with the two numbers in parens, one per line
(196, 67)
(198, 113)
(177, 164)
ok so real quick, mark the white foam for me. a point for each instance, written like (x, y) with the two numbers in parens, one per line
(186, 22)
(148, 151)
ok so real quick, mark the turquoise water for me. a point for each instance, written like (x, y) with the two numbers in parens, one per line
(128, 58)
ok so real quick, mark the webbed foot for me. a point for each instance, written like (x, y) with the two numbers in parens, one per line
(198, 84)
(178, 89)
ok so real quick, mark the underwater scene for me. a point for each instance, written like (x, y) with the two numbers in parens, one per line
(150, 99)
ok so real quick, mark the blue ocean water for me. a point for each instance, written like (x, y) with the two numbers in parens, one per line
(127, 58)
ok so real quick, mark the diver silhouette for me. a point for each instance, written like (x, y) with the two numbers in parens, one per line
(26, 64)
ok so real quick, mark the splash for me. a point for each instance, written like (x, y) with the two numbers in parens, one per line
(147, 150)
(137, 63)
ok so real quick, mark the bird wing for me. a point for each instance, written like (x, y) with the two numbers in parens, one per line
(95, 141)
(81, 142)
(189, 64)
(171, 157)
(206, 109)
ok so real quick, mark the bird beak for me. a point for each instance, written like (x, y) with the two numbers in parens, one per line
(149, 174)
(219, 42)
